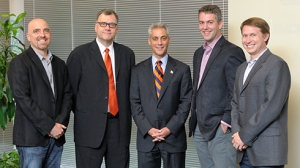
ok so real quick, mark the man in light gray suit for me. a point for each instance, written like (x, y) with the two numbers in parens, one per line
(260, 102)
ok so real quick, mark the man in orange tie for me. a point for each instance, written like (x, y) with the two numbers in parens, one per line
(160, 96)
(99, 73)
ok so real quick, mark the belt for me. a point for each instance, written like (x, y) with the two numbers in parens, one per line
(110, 116)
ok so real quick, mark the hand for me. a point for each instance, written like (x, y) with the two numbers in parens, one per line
(238, 144)
(155, 134)
(57, 131)
(159, 135)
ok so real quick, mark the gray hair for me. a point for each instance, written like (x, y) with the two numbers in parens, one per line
(158, 25)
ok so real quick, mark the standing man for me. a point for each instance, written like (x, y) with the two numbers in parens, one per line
(260, 101)
(215, 65)
(160, 95)
(41, 89)
(100, 76)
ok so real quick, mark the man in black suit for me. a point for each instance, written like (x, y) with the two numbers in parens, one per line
(160, 96)
(214, 64)
(41, 89)
(100, 77)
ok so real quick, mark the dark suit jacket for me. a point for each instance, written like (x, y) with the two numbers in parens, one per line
(211, 102)
(37, 109)
(170, 110)
(89, 82)
(259, 110)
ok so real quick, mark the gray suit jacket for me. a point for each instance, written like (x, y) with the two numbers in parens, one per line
(170, 110)
(259, 110)
(211, 102)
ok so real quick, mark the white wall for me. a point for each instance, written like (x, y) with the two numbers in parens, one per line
(284, 20)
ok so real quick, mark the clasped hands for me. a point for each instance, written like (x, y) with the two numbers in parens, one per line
(237, 143)
(57, 131)
(159, 134)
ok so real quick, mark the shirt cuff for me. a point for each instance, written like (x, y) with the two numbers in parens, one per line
(222, 122)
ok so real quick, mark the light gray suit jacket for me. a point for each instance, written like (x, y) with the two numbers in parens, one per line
(259, 110)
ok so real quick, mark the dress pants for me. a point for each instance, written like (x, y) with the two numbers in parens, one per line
(115, 154)
(153, 158)
(216, 153)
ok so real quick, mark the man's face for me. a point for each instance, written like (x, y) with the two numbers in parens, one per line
(106, 34)
(209, 27)
(39, 35)
(253, 40)
(159, 42)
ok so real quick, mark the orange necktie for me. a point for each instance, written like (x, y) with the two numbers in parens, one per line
(112, 94)
(158, 77)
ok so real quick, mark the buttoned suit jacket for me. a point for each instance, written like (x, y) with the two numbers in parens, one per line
(37, 108)
(259, 110)
(170, 110)
(215, 91)
(89, 83)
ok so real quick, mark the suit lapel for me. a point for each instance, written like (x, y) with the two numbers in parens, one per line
(118, 58)
(256, 67)
(241, 75)
(149, 78)
(96, 53)
(217, 48)
(197, 68)
(36, 60)
(55, 74)
(168, 75)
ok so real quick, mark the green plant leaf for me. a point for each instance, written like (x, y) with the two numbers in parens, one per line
(20, 17)
(10, 46)
(7, 14)
(11, 108)
(3, 114)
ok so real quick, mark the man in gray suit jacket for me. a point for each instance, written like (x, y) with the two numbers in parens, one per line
(260, 101)
(160, 111)
(215, 64)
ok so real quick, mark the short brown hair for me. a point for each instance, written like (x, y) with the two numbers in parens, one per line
(214, 9)
(257, 22)
(108, 12)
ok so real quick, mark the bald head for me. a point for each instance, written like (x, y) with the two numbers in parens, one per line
(39, 35)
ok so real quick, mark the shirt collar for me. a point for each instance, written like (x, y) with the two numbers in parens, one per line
(212, 44)
(164, 60)
(41, 57)
(102, 47)
(249, 60)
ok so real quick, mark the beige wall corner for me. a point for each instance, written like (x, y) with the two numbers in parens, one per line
(284, 20)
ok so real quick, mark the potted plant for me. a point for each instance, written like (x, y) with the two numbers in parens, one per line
(10, 160)
(10, 46)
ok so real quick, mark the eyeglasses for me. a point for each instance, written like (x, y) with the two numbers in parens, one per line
(104, 24)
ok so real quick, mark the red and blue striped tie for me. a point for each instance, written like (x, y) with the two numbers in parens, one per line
(158, 77)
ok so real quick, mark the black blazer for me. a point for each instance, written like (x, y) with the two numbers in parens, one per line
(170, 110)
(89, 83)
(37, 109)
(215, 90)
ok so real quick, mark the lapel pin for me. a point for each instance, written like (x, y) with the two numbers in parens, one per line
(171, 72)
